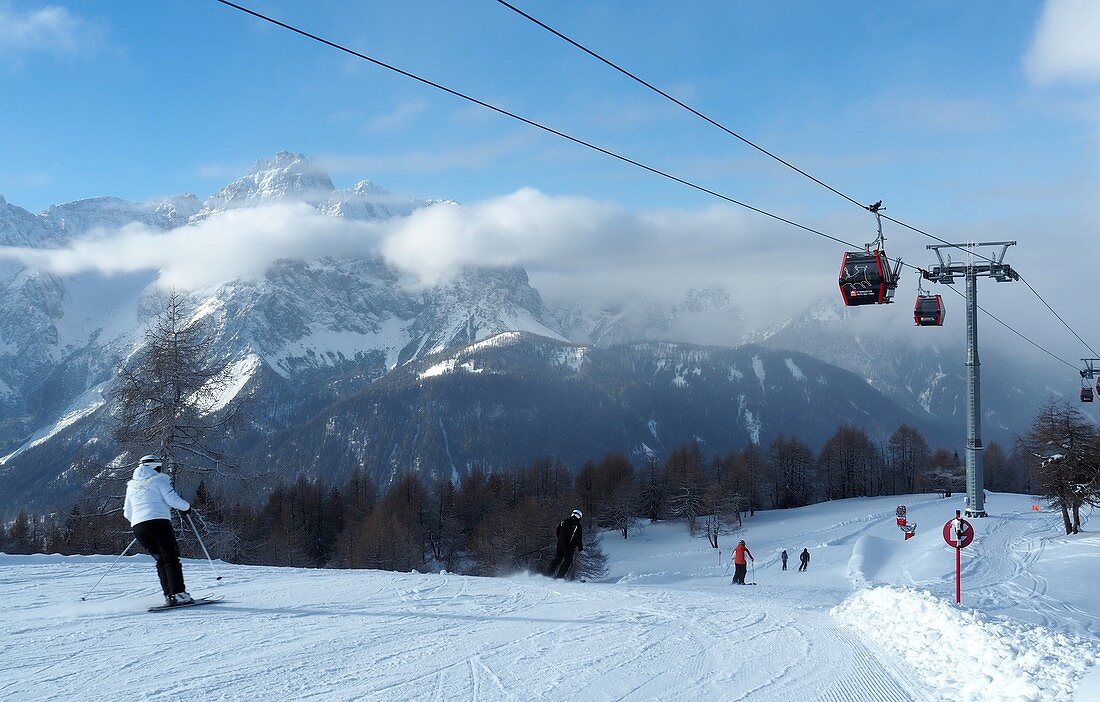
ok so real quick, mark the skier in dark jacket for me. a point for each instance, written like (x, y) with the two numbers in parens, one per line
(570, 538)
(783, 557)
(805, 558)
(149, 500)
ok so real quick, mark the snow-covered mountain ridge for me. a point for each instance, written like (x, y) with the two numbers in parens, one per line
(299, 312)
(515, 397)
(308, 334)
(62, 335)
(295, 177)
(924, 368)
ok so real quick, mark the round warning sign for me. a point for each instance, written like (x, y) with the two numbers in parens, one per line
(958, 533)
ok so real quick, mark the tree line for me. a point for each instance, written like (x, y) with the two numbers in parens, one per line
(503, 522)
(487, 523)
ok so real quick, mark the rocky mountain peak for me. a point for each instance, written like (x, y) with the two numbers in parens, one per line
(18, 227)
(283, 160)
(176, 210)
(366, 187)
(287, 176)
(81, 216)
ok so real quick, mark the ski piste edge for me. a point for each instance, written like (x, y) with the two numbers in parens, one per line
(197, 602)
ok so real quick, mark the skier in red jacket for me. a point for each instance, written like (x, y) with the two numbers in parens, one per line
(739, 562)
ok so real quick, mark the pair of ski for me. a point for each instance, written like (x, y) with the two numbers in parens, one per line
(197, 602)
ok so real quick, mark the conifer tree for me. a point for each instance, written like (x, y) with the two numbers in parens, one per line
(687, 483)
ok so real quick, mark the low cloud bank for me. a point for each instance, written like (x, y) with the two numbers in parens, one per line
(576, 250)
(236, 244)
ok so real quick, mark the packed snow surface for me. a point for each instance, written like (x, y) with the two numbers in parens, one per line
(872, 619)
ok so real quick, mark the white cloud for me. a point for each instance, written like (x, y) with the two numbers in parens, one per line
(1066, 47)
(593, 252)
(397, 118)
(237, 244)
(574, 248)
(49, 30)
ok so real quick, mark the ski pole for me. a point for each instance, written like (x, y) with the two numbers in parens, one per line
(754, 571)
(202, 521)
(208, 559)
(727, 570)
(109, 568)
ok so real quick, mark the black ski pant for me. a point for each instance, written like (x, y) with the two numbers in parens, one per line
(739, 572)
(784, 565)
(804, 565)
(157, 537)
(563, 559)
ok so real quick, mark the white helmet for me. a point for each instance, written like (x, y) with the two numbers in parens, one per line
(577, 514)
(153, 461)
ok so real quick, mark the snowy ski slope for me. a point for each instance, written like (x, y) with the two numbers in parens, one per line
(872, 619)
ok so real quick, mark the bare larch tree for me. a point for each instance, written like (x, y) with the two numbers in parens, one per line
(1068, 470)
(169, 396)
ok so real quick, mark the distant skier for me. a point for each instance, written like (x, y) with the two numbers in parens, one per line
(783, 557)
(805, 558)
(740, 565)
(570, 539)
(149, 499)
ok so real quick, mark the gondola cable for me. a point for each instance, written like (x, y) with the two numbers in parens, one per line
(718, 124)
(1009, 327)
(684, 105)
(537, 125)
(769, 153)
(1024, 281)
(592, 146)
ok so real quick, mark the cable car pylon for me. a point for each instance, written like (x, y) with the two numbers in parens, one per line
(992, 267)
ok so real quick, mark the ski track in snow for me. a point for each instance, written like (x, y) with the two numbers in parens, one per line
(665, 625)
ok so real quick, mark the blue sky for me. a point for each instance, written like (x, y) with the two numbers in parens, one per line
(927, 106)
(977, 119)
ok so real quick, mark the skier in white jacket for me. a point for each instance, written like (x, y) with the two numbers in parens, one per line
(149, 499)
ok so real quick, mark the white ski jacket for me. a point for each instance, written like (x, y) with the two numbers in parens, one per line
(149, 495)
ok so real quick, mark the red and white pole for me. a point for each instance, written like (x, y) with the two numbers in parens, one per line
(958, 576)
(958, 560)
(958, 533)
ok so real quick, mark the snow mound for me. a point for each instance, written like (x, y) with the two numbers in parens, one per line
(965, 657)
(870, 555)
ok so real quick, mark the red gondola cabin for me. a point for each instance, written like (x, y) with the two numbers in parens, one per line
(928, 311)
(864, 278)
